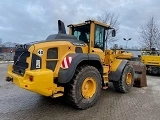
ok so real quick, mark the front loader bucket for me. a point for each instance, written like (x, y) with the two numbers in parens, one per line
(140, 79)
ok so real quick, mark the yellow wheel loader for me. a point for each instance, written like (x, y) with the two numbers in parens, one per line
(74, 65)
(151, 59)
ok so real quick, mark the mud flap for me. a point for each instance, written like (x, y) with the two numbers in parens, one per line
(140, 79)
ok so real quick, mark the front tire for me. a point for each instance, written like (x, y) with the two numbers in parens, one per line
(126, 81)
(85, 87)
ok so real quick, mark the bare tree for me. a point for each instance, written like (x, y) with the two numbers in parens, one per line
(150, 34)
(112, 20)
(0, 41)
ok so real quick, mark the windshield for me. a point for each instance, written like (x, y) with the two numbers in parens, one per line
(82, 32)
(145, 53)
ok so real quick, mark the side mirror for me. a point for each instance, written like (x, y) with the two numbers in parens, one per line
(113, 33)
(139, 56)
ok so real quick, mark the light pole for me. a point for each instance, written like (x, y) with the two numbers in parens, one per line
(127, 41)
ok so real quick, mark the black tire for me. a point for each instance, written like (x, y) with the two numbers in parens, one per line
(155, 70)
(121, 85)
(74, 89)
(148, 70)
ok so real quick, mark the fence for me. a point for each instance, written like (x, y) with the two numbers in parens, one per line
(6, 53)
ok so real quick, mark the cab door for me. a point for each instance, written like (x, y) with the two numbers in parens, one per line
(99, 41)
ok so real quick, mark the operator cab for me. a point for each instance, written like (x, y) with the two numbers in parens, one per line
(153, 52)
(92, 32)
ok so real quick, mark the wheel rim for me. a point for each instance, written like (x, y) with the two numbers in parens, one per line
(129, 79)
(88, 87)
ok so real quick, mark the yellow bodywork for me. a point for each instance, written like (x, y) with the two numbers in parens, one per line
(42, 81)
(64, 48)
(121, 54)
(115, 64)
(150, 60)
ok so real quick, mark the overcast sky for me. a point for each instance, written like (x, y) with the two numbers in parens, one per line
(24, 21)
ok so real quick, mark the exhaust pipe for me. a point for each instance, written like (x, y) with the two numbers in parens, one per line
(61, 27)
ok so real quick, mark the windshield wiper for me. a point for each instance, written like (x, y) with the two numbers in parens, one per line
(18, 58)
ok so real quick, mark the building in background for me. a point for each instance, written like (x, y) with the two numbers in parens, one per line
(7, 53)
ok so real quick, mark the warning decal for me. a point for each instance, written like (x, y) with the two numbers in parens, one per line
(38, 64)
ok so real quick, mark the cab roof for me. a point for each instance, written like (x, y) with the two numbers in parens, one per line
(89, 21)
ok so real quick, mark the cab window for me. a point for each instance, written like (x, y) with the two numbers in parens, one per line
(82, 33)
(99, 37)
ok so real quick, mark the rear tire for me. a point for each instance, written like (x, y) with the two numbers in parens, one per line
(84, 89)
(126, 81)
(155, 70)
